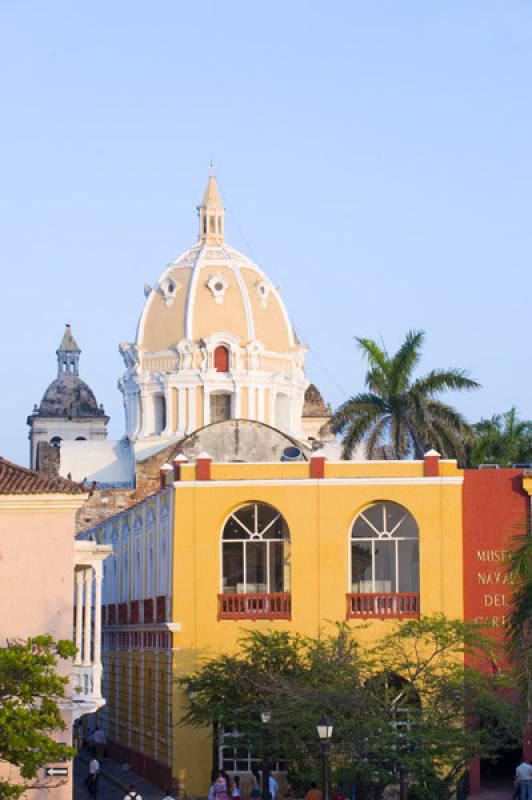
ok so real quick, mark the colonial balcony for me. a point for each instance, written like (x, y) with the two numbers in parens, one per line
(87, 673)
(383, 605)
(254, 606)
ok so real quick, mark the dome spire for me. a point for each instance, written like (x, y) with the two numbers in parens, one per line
(211, 212)
(68, 354)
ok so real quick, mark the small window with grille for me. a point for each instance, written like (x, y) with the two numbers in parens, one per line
(220, 407)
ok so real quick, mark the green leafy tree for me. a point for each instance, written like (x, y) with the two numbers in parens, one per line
(30, 692)
(399, 702)
(401, 412)
(503, 439)
(519, 620)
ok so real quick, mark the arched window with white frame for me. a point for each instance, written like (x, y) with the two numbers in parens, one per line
(137, 529)
(162, 572)
(256, 551)
(125, 563)
(384, 562)
(150, 535)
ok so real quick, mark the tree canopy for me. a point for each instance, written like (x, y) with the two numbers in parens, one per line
(402, 413)
(504, 439)
(520, 616)
(397, 702)
(30, 693)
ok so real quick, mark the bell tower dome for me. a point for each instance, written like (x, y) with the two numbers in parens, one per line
(68, 409)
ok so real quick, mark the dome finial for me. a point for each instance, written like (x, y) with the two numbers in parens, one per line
(211, 212)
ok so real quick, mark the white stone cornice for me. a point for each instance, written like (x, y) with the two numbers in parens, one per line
(52, 503)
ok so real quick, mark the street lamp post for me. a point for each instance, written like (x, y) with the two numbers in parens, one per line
(325, 729)
(265, 717)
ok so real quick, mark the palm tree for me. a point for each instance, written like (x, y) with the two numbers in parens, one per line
(400, 412)
(504, 439)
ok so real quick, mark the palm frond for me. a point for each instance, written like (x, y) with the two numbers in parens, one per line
(404, 361)
(362, 403)
(375, 438)
(441, 380)
(375, 356)
(357, 431)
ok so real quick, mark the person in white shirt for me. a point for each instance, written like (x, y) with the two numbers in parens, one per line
(92, 779)
(523, 773)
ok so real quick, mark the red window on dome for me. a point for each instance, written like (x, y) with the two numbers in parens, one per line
(221, 359)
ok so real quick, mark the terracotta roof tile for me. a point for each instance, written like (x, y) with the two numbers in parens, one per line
(19, 480)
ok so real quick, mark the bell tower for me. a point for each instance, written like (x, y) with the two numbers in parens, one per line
(68, 354)
(211, 214)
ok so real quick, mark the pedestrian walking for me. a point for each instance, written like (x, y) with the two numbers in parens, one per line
(272, 787)
(221, 786)
(523, 774)
(93, 778)
(255, 792)
(132, 793)
(313, 793)
(235, 791)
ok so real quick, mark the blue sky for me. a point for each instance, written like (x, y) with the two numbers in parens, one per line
(376, 157)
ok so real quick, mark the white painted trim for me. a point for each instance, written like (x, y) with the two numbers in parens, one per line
(191, 294)
(243, 291)
(449, 481)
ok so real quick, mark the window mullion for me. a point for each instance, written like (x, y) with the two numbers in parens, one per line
(245, 562)
(397, 565)
(268, 589)
(373, 566)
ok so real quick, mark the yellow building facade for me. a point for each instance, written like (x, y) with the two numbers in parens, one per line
(285, 546)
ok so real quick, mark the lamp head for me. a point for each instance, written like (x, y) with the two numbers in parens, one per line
(324, 728)
(265, 717)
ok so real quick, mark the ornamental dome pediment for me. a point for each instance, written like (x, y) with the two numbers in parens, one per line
(213, 287)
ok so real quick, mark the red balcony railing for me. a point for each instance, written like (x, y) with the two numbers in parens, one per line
(383, 605)
(254, 606)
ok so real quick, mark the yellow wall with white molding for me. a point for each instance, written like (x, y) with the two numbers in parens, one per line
(319, 514)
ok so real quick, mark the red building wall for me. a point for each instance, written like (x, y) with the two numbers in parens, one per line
(495, 507)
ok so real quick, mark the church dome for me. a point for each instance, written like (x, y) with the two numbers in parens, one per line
(213, 288)
(69, 396)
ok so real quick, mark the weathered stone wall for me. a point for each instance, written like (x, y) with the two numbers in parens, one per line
(48, 458)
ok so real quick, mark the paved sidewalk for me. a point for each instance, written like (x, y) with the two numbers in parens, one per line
(495, 795)
(114, 783)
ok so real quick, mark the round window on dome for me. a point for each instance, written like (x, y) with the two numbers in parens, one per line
(219, 286)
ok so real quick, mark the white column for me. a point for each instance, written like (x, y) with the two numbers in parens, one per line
(206, 406)
(252, 403)
(237, 410)
(260, 404)
(87, 624)
(98, 612)
(144, 412)
(79, 614)
(169, 427)
(181, 410)
(273, 395)
(191, 424)
(97, 662)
